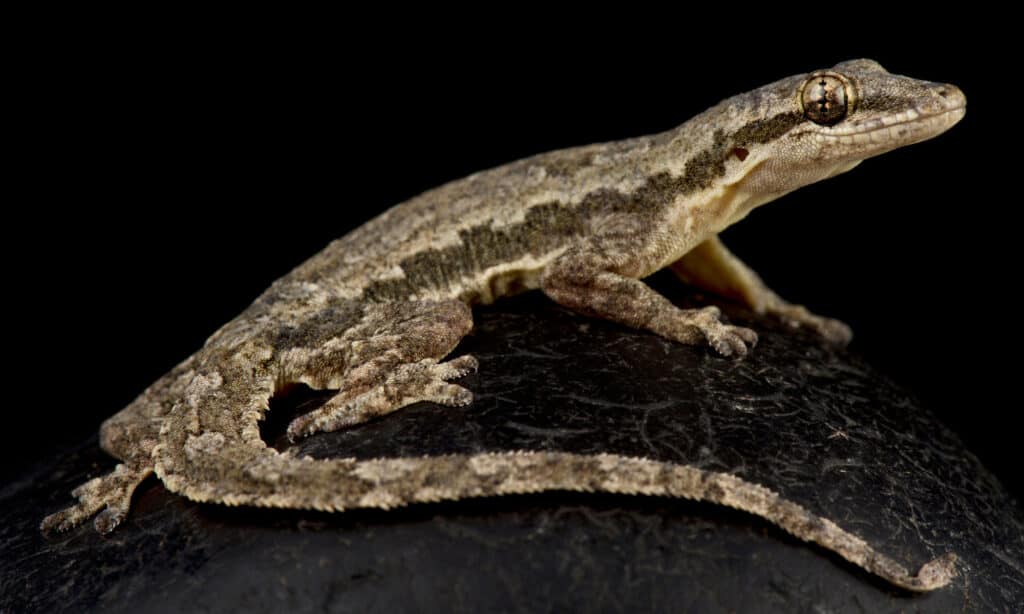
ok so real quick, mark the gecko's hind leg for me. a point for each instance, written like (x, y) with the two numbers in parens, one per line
(129, 436)
(390, 359)
(112, 493)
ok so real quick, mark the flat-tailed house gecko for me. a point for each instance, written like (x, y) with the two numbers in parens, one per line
(376, 313)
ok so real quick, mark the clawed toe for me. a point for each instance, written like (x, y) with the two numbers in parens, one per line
(726, 339)
(835, 332)
(107, 520)
(831, 330)
(65, 519)
(456, 368)
(732, 340)
(111, 493)
(450, 394)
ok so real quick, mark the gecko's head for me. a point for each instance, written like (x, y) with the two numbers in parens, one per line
(809, 127)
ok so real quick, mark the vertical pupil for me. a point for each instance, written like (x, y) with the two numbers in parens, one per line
(824, 100)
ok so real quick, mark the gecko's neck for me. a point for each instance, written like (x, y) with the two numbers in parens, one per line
(697, 178)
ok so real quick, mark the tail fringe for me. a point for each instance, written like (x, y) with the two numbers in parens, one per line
(270, 479)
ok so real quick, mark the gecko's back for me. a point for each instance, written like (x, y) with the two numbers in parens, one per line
(482, 236)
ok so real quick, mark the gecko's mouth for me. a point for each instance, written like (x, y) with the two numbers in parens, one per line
(907, 127)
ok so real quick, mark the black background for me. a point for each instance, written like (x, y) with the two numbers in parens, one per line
(168, 175)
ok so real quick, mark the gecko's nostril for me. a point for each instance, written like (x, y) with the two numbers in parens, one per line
(952, 97)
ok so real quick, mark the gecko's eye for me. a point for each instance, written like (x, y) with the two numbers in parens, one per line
(824, 100)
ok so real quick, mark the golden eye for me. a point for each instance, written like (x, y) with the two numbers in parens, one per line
(824, 100)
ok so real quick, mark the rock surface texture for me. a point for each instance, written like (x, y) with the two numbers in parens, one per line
(816, 425)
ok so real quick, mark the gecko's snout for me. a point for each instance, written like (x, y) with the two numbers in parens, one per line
(949, 96)
(950, 91)
(942, 105)
(945, 107)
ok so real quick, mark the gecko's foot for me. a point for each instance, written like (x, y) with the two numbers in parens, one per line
(111, 493)
(831, 330)
(409, 383)
(728, 340)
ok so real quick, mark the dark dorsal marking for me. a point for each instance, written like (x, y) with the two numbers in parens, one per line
(549, 226)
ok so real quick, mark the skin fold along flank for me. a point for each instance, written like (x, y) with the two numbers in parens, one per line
(376, 313)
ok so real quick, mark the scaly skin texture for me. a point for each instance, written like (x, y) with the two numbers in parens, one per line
(376, 312)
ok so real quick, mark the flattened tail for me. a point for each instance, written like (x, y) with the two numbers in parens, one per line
(269, 479)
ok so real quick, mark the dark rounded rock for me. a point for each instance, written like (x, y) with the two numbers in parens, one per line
(814, 424)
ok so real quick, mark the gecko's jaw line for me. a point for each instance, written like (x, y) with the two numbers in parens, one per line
(900, 128)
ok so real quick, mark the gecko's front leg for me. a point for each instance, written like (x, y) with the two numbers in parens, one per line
(599, 277)
(714, 268)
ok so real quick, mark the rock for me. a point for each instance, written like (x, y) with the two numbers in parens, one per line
(815, 424)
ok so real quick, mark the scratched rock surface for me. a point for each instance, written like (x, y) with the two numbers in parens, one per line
(817, 425)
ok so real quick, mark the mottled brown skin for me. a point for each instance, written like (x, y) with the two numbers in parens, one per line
(374, 314)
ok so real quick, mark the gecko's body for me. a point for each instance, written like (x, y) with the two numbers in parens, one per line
(375, 313)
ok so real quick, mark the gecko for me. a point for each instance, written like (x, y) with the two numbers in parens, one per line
(375, 314)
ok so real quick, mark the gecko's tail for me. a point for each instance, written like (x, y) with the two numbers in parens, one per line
(280, 480)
